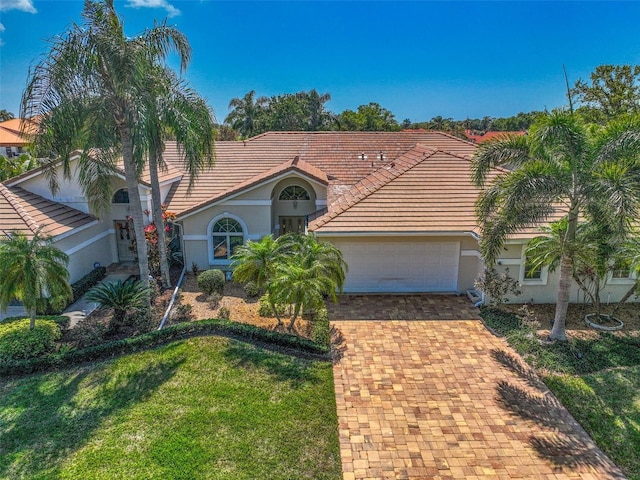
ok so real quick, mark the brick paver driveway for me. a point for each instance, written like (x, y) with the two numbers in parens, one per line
(445, 399)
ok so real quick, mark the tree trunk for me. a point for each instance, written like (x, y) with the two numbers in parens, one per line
(132, 179)
(32, 319)
(296, 311)
(275, 313)
(562, 301)
(626, 297)
(157, 219)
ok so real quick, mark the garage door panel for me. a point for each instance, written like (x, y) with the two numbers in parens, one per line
(390, 266)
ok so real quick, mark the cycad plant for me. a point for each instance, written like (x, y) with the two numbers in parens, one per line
(121, 296)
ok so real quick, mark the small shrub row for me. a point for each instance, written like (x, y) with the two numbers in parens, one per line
(78, 288)
(158, 337)
(18, 341)
(211, 281)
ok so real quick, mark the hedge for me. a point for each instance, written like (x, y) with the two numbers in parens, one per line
(19, 342)
(159, 337)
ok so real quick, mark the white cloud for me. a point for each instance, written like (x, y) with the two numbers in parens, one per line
(1, 27)
(24, 5)
(171, 10)
(1, 30)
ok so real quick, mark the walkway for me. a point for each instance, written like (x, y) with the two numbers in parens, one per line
(448, 400)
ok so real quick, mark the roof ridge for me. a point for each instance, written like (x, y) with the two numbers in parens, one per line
(15, 203)
(355, 195)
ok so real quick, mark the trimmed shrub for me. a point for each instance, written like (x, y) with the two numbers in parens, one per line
(159, 337)
(211, 281)
(224, 313)
(251, 289)
(321, 328)
(18, 341)
(214, 299)
(182, 313)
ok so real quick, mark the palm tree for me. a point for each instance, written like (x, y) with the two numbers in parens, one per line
(178, 111)
(91, 92)
(33, 271)
(245, 113)
(6, 115)
(120, 296)
(561, 167)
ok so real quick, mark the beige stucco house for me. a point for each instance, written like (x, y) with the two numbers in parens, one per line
(400, 206)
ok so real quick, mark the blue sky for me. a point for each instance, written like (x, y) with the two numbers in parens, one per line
(418, 59)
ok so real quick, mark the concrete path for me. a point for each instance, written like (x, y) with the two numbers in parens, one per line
(79, 310)
(448, 400)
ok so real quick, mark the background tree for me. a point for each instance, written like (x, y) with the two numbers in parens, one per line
(10, 167)
(246, 113)
(368, 118)
(560, 167)
(33, 272)
(91, 92)
(6, 115)
(612, 90)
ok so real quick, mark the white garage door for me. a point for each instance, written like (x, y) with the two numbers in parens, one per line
(397, 267)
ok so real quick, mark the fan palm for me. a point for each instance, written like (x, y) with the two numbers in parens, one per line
(245, 113)
(33, 271)
(561, 168)
(91, 92)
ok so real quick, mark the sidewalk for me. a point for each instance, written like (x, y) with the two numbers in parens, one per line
(79, 310)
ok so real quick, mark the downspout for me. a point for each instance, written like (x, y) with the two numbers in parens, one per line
(177, 289)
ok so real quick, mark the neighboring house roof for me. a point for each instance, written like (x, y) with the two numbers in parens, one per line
(337, 154)
(14, 132)
(27, 212)
(490, 135)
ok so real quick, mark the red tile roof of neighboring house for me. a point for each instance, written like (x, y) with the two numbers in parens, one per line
(15, 132)
(490, 135)
(27, 212)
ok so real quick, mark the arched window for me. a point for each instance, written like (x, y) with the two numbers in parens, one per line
(121, 196)
(294, 192)
(226, 235)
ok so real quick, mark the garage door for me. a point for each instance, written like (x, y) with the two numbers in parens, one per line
(398, 267)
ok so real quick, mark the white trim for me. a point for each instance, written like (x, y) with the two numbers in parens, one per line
(245, 234)
(509, 261)
(86, 243)
(470, 253)
(544, 274)
(194, 237)
(171, 180)
(75, 230)
(395, 234)
(630, 280)
(244, 191)
(252, 203)
(321, 203)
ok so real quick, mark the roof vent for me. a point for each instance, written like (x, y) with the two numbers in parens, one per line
(381, 156)
(362, 156)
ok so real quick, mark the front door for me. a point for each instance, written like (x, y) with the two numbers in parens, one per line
(124, 239)
(291, 225)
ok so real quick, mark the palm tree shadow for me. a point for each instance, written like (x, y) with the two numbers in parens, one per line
(566, 444)
(338, 345)
(68, 404)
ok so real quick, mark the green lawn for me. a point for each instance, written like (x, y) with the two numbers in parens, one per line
(598, 380)
(206, 407)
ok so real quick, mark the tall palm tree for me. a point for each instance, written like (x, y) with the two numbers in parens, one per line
(561, 168)
(33, 271)
(177, 111)
(245, 113)
(91, 93)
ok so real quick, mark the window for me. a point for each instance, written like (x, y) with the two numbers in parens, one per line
(531, 272)
(226, 234)
(294, 192)
(121, 196)
(621, 270)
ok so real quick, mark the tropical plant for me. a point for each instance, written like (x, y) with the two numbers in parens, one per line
(256, 261)
(92, 92)
(10, 167)
(246, 113)
(33, 272)
(179, 112)
(6, 115)
(561, 169)
(121, 296)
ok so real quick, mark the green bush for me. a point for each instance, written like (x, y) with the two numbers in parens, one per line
(18, 341)
(158, 337)
(321, 328)
(251, 289)
(265, 310)
(211, 281)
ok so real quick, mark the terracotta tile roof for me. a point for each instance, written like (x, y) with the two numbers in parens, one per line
(27, 212)
(14, 132)
(294, 165)
(337, 154)
(490, 135)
